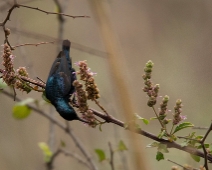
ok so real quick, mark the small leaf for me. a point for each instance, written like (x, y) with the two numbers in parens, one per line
(21, 111)
(183, 126)
(62, 143)
(2, 84)
(143, 119)
(44, 97)
(122, 146)
(162, 134)
(162, 148)
(154, 144)
(100, 127)
(207, 145)
(126, 126)
(159, 156)
(196, 158)
(101, 154)
(46, 151)
(153, 118)
(184, 144)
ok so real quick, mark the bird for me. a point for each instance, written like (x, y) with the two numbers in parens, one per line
(59, 85)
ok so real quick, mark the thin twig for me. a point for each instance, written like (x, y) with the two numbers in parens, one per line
(77, 157)
(182, 137)
(111, 156)
(177, 164)
(36, 44)
(203, 147)
(49, 165)
(200, 128)
(55, 13)
(102, 108)
(184, 168)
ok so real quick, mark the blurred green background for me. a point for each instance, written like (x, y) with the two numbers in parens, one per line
(175, 35)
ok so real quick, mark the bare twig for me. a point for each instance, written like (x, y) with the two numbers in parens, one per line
(26, 44)
(74, 45)
(49, 165)
(200, 128)
(102, 108)
(184, 168)
(16, 5)
(55, 13)
(111, 156)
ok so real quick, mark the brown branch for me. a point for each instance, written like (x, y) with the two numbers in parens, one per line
(55, 13)
(113, 120)
(169, 144)
(16, 5)
(36, 44)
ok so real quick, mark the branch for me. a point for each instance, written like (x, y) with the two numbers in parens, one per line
(20, 45)
(169, 144)
(73, 155)
(55, 13)
(203, 146)
(111, 156)
(63, 127)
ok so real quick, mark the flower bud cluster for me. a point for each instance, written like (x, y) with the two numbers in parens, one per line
(9, 74)
(177, 117)
(81, 96)
(149, 88)
(83, 106)
(23, 86)
(163, 110)
(89, 116)
(87, 76)
(22, 71)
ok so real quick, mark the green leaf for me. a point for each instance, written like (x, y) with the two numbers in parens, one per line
(2, 84)
(159, 156)
(126, 126)
(153, 118)
(162, 134)
(196, 158)
(62, 143)
(122, 146)
(46, 151)
(143, 119)
(21, 110)
(100, 127)
(184, 144)
(154, 144)
(44, 97)
(162, 148)
(183, 126)
(101, 154)
(207, 145)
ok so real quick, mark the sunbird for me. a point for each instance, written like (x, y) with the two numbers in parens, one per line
(59, 86)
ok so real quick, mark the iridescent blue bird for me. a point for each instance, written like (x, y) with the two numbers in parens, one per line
(59, 86)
